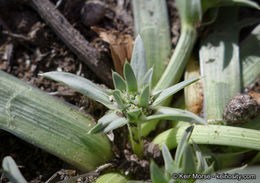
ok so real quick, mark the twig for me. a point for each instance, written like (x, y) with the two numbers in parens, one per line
(73, 39)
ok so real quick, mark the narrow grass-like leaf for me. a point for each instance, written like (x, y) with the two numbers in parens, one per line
(119, 122)
(144, 97)
(184, 140)
(11, 170)
(157, 174)
(51, 125)
(213, 135)
(173, 89)
(111, 178)
(175, 114)
(130, 78)
(81, 85)
(119, 82)
(116, 95)
(103, 122)
(138, 61)
(168, 161)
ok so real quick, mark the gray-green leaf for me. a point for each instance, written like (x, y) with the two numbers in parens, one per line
(11, 171)
(173, 89)
(116, 94)
(147, 79)
(104, 122)
(175, 114)
(130, 78)
(180, 149)
(157, 175)
(144, 97)
(168, 161)
(82, 85)
(119, 82)
(138, 61)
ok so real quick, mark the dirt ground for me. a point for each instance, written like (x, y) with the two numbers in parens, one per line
(28, 47)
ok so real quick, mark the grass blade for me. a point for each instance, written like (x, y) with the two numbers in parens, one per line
(50, 124)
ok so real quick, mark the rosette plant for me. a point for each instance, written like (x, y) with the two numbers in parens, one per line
(132, 102)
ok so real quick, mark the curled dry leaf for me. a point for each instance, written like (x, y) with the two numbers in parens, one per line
(121, 46)
(193, 92)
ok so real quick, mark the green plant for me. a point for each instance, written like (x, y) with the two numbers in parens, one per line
(188, 160)
(132, 102)
(11, 171)
(48, 123)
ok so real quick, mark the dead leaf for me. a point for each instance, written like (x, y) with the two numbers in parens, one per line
(121, 46)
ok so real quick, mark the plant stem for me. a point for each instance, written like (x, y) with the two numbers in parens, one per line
(135, 138)
(179, 59)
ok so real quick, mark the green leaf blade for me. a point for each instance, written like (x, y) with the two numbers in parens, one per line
(183, 142)
(144, 97)
(138, 61)
(168, 161)
(119, 82)
(157, 175)
(130, 78)
(116, 94)
(166, 93)
(49, 124)
(175, 114)
(81, 85)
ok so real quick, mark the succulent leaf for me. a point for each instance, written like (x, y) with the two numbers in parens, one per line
(173, 89)
(119, 82)
(82, 85)
(130, 78)
(138, 61)
(144, 97)
(175, 114)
